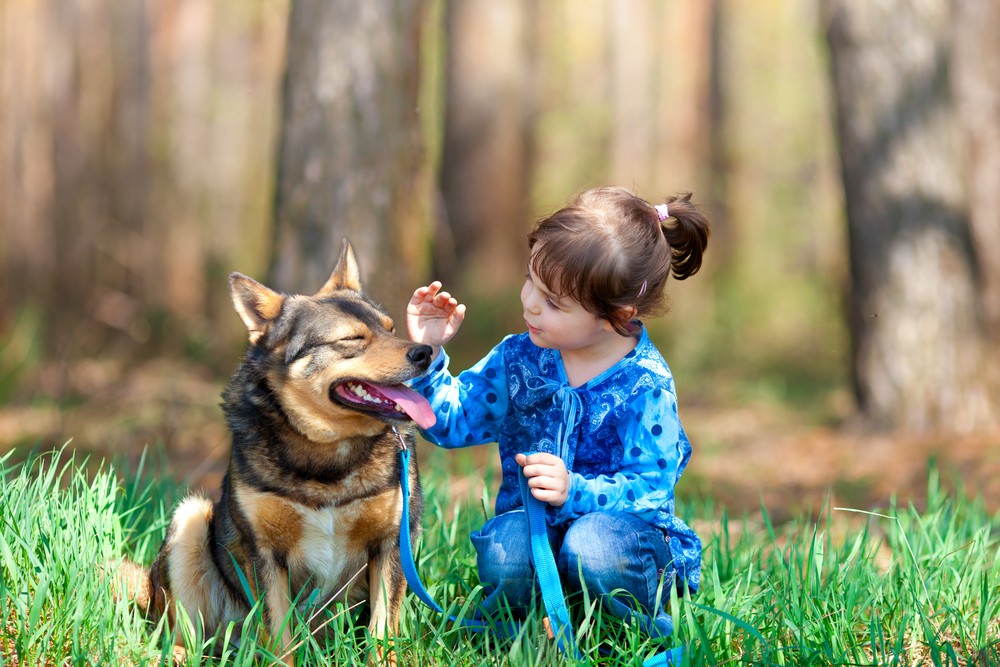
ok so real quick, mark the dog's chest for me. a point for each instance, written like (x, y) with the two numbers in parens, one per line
(327, 551)
(328, 547)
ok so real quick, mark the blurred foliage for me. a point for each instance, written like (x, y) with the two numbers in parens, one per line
(20, 351)
(763, 322)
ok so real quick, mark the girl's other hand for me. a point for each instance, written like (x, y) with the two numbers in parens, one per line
(433, 317)
(547, 476)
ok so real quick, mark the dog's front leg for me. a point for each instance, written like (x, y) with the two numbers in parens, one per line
(386, 589)
(277, 604)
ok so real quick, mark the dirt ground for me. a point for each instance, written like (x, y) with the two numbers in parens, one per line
(745, 456)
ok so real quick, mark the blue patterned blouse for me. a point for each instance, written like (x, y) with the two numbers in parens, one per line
(619, 433)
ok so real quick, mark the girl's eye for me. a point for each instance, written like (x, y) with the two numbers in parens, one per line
(551, 304)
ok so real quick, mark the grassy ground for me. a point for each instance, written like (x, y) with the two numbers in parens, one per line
(900, 587)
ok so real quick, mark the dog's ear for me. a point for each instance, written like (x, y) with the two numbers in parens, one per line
(256, 304)
(345, 275)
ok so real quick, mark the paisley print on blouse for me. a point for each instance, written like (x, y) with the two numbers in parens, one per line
(619, 434)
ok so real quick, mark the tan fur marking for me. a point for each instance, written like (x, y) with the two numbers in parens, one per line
(278, 522)
(372, 521)
(314, 415)
(278, 606)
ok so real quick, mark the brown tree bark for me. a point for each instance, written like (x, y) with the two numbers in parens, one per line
(351, 158)
(922, 358)
(486, 156)
(977, 85)
(26, 261)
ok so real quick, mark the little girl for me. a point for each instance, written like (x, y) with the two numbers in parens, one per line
(583, 405)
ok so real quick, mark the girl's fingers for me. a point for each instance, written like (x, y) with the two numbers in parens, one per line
(547, 469)
(550, 497)
(534, 470)
(545, 482)
(429, 295)
(427, 292)
(543, 494)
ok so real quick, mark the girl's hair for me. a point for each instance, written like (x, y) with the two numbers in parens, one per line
(611, 250)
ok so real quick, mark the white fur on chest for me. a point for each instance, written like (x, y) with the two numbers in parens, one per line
(325, 557)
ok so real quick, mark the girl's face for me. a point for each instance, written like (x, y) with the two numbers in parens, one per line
(560, 323)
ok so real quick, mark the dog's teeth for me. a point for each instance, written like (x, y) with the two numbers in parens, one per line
(362, 393)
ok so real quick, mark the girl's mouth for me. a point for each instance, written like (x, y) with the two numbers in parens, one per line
(532, 329)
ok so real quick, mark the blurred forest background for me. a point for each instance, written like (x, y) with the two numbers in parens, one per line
(843, 333)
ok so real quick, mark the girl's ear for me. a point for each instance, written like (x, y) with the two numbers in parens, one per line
(623, 315)
(627, 314)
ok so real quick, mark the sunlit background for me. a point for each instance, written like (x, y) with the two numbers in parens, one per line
(139, 147)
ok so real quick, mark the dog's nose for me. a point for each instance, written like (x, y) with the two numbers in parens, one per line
(420, 355)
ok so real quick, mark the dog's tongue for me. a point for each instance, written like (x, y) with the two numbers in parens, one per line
(413, 404)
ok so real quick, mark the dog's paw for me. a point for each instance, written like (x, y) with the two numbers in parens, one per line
(127, 581)
(383, 657)
(178, 657)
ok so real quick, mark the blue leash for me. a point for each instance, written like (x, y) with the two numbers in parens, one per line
(548, 573)
(476, 623)
(405, 546)
(541, 557)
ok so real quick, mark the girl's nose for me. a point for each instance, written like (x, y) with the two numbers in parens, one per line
(530, 301)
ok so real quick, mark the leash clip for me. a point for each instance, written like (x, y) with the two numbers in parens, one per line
(402, 443)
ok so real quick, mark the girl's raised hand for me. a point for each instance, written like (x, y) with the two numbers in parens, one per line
(433, 317)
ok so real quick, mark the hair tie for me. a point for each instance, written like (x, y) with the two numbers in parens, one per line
(661, 212)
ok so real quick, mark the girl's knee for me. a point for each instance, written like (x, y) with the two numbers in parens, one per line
(502, 548)
(593, 548)
(609, 551)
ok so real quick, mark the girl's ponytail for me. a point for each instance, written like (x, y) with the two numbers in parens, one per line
(612, 252)
(686, 230)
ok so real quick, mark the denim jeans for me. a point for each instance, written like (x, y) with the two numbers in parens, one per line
(620, 559)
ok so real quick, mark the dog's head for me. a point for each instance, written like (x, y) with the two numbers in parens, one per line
(333, 359)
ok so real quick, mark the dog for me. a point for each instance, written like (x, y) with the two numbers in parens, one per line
(318, 412)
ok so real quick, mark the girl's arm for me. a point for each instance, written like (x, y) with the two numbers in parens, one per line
(469, 407)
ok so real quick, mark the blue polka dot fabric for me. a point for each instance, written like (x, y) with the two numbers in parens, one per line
(619, 434)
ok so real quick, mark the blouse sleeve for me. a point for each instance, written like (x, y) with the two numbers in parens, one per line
(469, 407)
(655, 450)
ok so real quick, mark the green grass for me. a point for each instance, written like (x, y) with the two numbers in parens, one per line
(898, 587)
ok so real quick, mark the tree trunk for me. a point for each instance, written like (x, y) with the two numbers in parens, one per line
(485, 166)
(26, 259)
(635, 54)
(922, 358)
(351, 158)
(977, 73)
